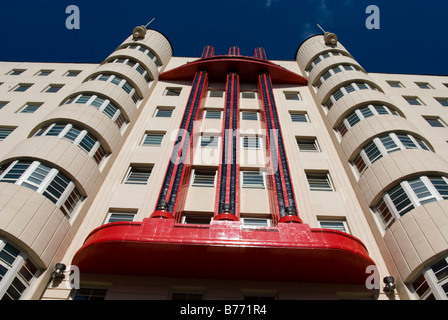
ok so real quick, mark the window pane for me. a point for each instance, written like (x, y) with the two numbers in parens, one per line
(212, 114)
(9, 254)
(16, 172)
(389, 144)
(153, 139)
(253, 179)
(319, 182)
(299, 117)
(401, 200)
(372, 152)
(138, 175)
(204, 178)
(407, 142)
(441, 185)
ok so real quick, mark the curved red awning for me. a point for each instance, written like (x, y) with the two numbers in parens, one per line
(224, 250)
(248, 69)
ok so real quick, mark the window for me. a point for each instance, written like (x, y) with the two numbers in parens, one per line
(72, 73)
(334, 225)
(153, 139)
(395, 84)
(30, 107)
(333, 71)
(410, 194)
(172, 92)
(255, 222)
(321, 57)
(22, 87)
(443, 101)
(307, 145)
(162, 112)
(16, 272)
(134, 65)
(413, 101)
(213, 114)
(148, 52)
(138, 175)
(44, 73)
(77, 136)
(5, 132)
(251, 142)
(120, 216)
(435, 122)
(204, 178)
(249, 115)
(209, 141)
(197, 218)
(44, 180)
(90, 294)
(120, 82)
(299, 117)
(248, 95)
(102, 104)
(295, 96)
(424, 85)
(432, 283)
(16, 72)
(319, 182)
(3, 103)
(344, 90)
(214, 93)
(382, 146)
(252, 180)
(53, 88)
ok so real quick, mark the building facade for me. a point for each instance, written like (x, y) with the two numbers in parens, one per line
(222, 176)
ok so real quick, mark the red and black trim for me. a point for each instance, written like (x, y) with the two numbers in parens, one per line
(227, 202)
(208, 52)
(177, 172)
(279, 173)
(234, 51)
(260, 53)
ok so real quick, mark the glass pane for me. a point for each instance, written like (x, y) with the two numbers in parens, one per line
(9, 254)
(441, 186)
(253, 179)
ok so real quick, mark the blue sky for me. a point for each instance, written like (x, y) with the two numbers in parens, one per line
(412, 38)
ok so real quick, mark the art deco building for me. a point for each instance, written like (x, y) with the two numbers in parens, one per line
(222, 176)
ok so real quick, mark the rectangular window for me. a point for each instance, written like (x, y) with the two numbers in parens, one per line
(251, 143)
(441, 186)
(395, 84)
(360, 164)
(120, 216)
(249, 115)
(307, 145)
(3, 103)
(44, 73)
(372, 152)
(385, 214)
(413, 101)
(5, 132)
(299, 117)
(213, 114)
(164, 112)
(90, 294)
(72, 73)
(153, 139)
(255, 222)
(334, 225)
(16, 72)
(216, 93)
(319, 182)
(138, 175)
(252, 180)
(295, 96)
(172, 92)
(421, 191)
(197, 218)
(443, 101)
(248, 95)
(401, 200)
(30, 107)
(424, 85)
(389, 144)
(435, 122)
(204, 178)
(22, 87)
(209, 141)
(407, 141)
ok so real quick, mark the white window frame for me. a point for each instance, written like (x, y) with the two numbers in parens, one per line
(297, 113)
(258, 142)
(153, 133)
(162, 109)
(130, 214)
(246, 223)
(342, 223)
(209, 171)
(216, 144)
(308, 141)
(320, 175)
(211, 111)
(248, 115)
(34, 105)
(5, 132)
(253, 186)
(435, 285)
(133, 169)
(13, 270)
